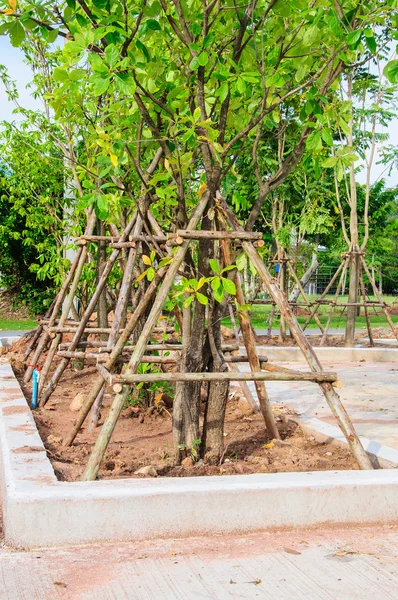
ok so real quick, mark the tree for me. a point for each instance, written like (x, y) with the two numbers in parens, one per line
(159, 99)
(31, 220)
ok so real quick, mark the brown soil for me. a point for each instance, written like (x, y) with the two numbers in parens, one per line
(144, 437)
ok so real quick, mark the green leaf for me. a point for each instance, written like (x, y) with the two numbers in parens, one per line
(219, 294)
(330, 162)
(201, 298)
(111, 55)
(222, 91)
(52, 36)
(327, 136)
(196, 116)
(188, 301)
(77, 74)
(101, 206)
(194, 64)
(16, 33)
(4, 28)
(241, 85)
(353, 37)
(215, 266)
(153, 25)
(229, 286)
(60, 75)
(101, 85)
(215, 283)
(391, 71)
(314, 141)
(125, 83)
(150, 274)
(142, 48)
(203, 59)
(344, 127)
(371, 44)
(97, 64)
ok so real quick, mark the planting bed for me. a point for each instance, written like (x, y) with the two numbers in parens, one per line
(143, 437)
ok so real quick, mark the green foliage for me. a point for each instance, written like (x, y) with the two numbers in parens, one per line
(31, 220)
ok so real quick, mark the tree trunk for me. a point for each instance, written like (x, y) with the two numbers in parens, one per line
(352, 311)
(186, 405)
(213, 424)
(295, 293)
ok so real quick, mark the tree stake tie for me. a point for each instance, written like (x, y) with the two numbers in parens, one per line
(35, 386)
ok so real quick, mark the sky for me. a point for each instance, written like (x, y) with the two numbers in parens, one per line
(12, 58)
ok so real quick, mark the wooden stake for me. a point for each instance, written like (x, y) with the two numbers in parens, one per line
(365, 307)
(249, 341)
(333, 305)
(325, 291)
(119, 400)
(216, 235)
(85, 318)
(276, 375)
(66, 306)
(304, 295)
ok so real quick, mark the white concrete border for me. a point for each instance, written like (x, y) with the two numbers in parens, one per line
(40, 511)
(330, 354)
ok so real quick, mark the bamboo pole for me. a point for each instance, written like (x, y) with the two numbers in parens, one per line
(149, 347)
(325, 291)
(45, 335)
(103, 357)
(118, 242)
(232, 317)
(284, 375)
(215, 235)
(333, 304)
(330, 394)
(98, 330)
(96, 411)
(120, 398)
(66, 305)
(85, 318)
(304, 295)
(119, 314)
(249, 341)
(365, 308)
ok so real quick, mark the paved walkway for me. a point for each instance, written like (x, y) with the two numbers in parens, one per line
(328, 565)
(369, 394)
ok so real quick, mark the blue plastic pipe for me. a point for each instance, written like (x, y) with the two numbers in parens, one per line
(35, 388)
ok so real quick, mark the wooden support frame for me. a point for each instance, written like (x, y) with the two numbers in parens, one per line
(331, 396)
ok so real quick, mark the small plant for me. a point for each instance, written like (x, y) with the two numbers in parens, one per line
(193, 451)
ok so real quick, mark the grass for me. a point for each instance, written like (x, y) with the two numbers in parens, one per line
(260, 314)
(17, 325)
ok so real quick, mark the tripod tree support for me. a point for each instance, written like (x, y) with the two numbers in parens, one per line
(279, 298)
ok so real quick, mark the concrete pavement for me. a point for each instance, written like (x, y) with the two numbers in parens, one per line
(344, 564)
(369, 394)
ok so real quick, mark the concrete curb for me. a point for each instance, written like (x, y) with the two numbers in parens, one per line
(293, 353)
(40, 511)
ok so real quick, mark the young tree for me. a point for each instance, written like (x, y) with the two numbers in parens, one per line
(163, 97)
